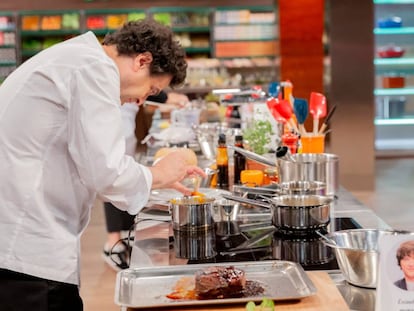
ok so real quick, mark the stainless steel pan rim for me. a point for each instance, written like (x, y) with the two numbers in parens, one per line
(301, 212)
(301, 200)
(303, 187)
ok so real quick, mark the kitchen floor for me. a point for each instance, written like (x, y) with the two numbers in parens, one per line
(392, 200)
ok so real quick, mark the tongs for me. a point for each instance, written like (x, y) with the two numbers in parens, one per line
(253, 156)
(282, 152)
(256, 190)
(251, 242)
(246, 200)
(248, 245)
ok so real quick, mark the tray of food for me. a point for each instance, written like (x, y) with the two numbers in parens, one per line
(207, 284)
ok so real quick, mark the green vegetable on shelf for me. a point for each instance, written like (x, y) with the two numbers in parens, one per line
(70, 21)
(163, 18)
(135, 16)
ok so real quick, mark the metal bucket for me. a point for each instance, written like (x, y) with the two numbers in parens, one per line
(322, 167)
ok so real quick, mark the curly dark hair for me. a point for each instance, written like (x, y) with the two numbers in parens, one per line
(147, 35)
(405, 249)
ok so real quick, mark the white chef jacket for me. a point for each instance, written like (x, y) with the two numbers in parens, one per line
(61, 144)
(129, 112)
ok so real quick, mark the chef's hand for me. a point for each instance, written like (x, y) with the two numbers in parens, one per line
(170, 170)
(174, 101)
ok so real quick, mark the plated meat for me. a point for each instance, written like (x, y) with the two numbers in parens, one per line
(220, 282)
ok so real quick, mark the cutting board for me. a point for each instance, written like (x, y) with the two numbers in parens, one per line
(327, 298)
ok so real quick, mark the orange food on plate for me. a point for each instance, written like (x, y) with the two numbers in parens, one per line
(183, 289)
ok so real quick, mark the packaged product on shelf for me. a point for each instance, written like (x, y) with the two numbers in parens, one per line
(116, 20)
(70, 21)
(96, 22)
(51, 22)
(30, 22)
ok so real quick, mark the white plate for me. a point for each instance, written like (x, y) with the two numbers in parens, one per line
(163, 196)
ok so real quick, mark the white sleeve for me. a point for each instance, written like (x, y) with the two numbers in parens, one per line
(129, 112)
(96, 141)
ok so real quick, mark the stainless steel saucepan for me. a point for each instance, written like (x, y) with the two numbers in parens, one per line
(320, 167)
(301, 212)
(294, 212)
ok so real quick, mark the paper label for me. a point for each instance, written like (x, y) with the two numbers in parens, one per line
(395, 286)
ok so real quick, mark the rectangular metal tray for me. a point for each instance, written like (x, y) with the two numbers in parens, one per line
(147, 287)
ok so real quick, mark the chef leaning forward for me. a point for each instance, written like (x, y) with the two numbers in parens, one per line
(61, 145)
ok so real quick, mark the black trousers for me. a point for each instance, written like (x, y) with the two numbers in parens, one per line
(117, 220)
(20, 292)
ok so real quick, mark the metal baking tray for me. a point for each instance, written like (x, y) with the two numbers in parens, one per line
(147, 287)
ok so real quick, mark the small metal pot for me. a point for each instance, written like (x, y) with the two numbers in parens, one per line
(192, 213)
(322, 167)
(301, 212)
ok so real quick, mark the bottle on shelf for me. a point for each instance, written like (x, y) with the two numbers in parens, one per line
(235, 117)
(222, 162)
(239, 160)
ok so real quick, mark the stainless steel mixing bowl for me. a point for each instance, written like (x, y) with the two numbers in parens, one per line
(357, 254)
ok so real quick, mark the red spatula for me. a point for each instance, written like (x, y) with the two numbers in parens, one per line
(317, 108)
(285, 110)
(271, 105)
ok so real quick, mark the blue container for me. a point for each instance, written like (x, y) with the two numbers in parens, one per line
(390, 22)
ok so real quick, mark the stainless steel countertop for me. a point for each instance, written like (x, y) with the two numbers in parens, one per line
(151, 244)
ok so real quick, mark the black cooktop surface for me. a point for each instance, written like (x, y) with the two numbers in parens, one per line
(227, 244)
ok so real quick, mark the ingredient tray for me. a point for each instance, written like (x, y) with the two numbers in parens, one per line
(149, 286)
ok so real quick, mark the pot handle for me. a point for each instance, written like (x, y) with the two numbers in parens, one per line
(253, 156)
(246, 201)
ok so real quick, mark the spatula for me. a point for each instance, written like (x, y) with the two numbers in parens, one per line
(317, 108)
(285, 110)
(271, 103)
(300, 107)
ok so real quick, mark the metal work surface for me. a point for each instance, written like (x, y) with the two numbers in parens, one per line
(149, 287)
(152, 243)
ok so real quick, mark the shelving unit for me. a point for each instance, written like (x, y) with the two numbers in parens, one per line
(394, 120)
(102, 22)
(245, 32)
(246, 42)
(222, 52)
(8, 44)
(42, 29)
(192, 27)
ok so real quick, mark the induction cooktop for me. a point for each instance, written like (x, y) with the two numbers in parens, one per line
(230, 243)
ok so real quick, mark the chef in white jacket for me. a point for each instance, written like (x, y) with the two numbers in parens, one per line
(62, 144)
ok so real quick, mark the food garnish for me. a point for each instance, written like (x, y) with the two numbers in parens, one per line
(266, 305)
